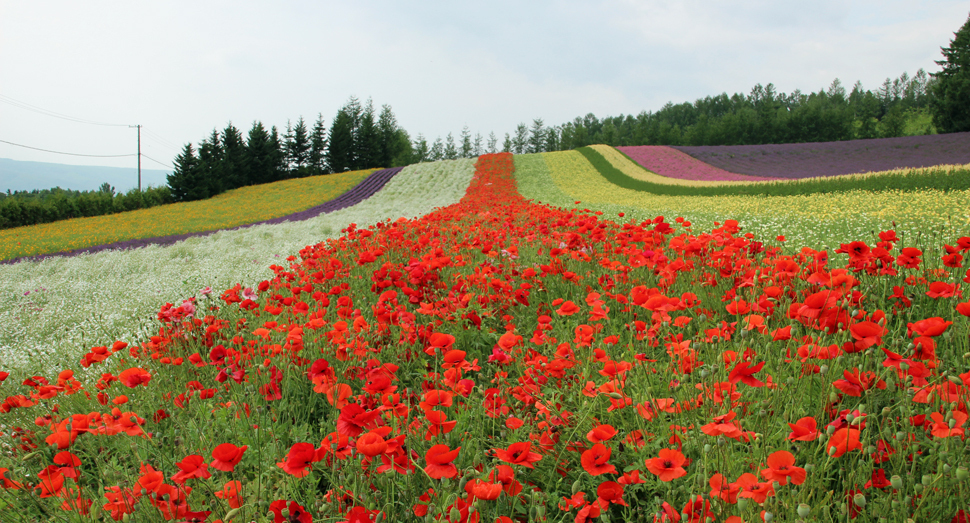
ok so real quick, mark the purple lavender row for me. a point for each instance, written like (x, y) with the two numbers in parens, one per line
(807, 160)
(360, 192)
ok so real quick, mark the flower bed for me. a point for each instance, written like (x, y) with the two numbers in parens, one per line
(809, 160)
(672, 163)
(499, 360)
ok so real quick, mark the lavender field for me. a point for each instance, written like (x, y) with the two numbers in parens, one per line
(806, 160)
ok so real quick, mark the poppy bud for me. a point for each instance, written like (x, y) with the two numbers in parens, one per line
(803, 510)
(615, 395)
(962, 473)
(231, 513)
(850, 417)
(859, 500)
(576, 486)
(927, 479)
(455, 514)
(742, 503)
(896, 481)
(768, 517)
(823, 369)
(126, 518)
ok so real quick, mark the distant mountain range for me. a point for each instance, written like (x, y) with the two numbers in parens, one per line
(27, 176)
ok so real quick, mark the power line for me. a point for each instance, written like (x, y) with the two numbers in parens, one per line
(71, 154)
(26, 106)
(158, 162)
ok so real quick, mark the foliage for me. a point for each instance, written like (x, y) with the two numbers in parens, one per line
(951, 102)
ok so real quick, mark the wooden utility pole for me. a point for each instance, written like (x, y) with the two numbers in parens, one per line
(139, 158)
(139, 154)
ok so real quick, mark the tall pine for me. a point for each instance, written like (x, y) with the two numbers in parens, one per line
(317, 158)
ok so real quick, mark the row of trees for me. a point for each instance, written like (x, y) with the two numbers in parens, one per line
(21, 208)
(226, 160)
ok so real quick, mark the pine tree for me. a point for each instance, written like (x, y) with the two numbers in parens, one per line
(211, 167)
(507, 144)
(437, 151)
(420, 150)
(951, 103)
(261, 156)
(298, 149)
(466, 143)
(368, 141)
(401, 146)
(391, 148)
(537, 136)
(521, 139)
(340, 153)
(492, 143)
(450, 151)
(234, 170)
(185, 177)
(317, 159)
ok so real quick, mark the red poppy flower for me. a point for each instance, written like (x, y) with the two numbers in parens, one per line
(486, 490)
(518, 454)
(295, 512)
(226, 456)
(372, 443)
(601, 433)
(751, 488)
(668, 465)
(745, 375)
(567, 309)
(721, 488)
(232, 493)
(134, 377)
(354, 419)
(8, 483)
(440, 458)
(842, 441)
(805, 429)
(781, 466)
(611, 492)
(191, 467)
(299, 460)
(596, 460)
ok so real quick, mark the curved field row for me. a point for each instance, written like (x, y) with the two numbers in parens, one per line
(620, 170)
(670, 163)
(809, 160)
(56, 308)
(360, 192)
(806, 220)
(241, 206)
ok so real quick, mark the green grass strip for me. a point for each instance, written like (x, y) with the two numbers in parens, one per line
(906, 181)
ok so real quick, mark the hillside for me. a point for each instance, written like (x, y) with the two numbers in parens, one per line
(16, 175)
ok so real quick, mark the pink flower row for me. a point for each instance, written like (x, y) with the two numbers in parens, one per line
(669, 162)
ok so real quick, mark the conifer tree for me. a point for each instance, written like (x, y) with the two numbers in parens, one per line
(211, 166)
(341, 150)
(234, 172)
(450, 151)
(368, 141)
(317, 159)
(420, 150)
(184, 180)
(466, 143)
(297, 148)
(951, 104)
(262, 156)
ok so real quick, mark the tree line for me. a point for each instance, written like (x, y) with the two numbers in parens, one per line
(20, 208)
(357, 139)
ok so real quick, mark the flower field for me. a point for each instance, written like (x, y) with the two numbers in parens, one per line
(230, 209)
(55, 309)
(671, 163)
(811, 160)
(501, 360)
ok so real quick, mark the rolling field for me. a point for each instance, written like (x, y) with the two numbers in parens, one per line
(509, 339)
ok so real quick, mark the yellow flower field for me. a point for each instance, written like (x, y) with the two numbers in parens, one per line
(230, 209)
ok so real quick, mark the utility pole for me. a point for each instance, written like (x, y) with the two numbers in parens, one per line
(139, 155)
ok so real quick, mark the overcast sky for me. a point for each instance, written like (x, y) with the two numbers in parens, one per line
(181, 68)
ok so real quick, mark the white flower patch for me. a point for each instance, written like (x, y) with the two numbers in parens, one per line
(52, 311)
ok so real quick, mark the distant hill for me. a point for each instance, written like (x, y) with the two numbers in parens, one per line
(27, 176)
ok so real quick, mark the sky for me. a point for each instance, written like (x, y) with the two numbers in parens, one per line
(181, 68)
